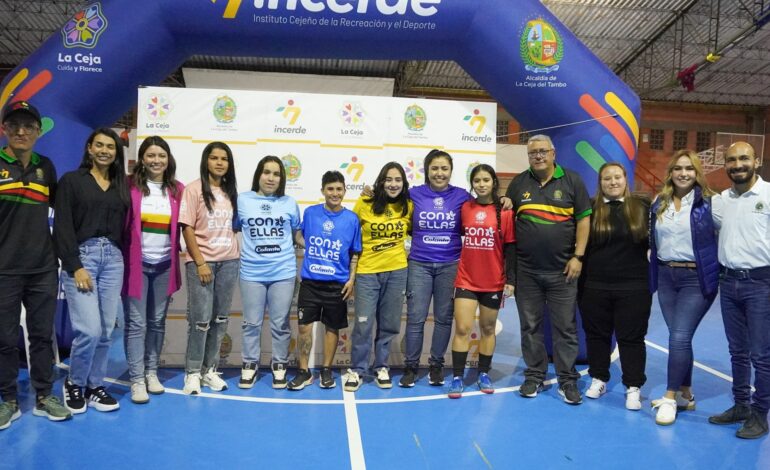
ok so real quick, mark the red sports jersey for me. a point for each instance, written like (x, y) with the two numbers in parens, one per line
(482, 267)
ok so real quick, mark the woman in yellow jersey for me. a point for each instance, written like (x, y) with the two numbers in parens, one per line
(386, 219)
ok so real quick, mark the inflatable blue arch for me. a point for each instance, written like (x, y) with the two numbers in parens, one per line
(86, 75)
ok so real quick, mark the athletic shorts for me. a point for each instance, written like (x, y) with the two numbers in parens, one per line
(322, 301)
(488, 299)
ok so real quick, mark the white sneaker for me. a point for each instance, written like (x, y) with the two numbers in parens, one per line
(153, 384)
(139, 393)
(249, 375)
(383, 378)
(666, 413)
(279, 376)
(212, 380)
(351, 381)
(682, 403)
(597, 388)
(633, 399)
(192, 384)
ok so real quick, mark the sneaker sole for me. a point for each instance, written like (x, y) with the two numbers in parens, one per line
(16, 415)
(567, 401)
(245, 385)
(595, 396)
(327, 385)
(191, 392)
(77, 411)
(488, 391)
(140, 402)
(663, 423)
(45, 414)
(687, 407)
(351, 388)
(455, 395)
(280, 386)
(156, 391)
(384, 385)
(214, 388)
(297, 388)
(530, 395)
(103, 408)
(436, 384)
(406, 385)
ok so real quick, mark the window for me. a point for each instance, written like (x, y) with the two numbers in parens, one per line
(680, 140)
(502, 132)
(656, 139)
(703, 141)
(523, 137)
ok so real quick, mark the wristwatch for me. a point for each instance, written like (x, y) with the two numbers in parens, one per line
(578, 257)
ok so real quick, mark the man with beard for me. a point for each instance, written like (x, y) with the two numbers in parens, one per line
(743, 213)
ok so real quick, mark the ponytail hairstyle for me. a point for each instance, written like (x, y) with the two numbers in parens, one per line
(379, 200)
(634, 211)
(229, 185)
(495, 189)
(139, 176)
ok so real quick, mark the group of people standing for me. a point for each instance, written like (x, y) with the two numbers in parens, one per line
(118, 238)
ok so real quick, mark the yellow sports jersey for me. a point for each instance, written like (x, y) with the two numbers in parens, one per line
(382, 237)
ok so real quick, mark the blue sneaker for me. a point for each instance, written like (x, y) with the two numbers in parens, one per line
(485, 384)
(456, 388)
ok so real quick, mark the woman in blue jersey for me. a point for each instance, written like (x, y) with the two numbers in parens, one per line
(268, 220)
(433, 262)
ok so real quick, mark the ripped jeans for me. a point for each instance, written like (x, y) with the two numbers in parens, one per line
(208, 308)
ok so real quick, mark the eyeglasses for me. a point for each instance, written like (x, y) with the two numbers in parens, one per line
(13, 127)
(539, 153)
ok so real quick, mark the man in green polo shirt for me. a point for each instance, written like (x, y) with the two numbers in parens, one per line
(28, 265)
(552, 224)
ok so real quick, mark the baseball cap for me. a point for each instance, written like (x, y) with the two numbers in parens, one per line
(21, 107)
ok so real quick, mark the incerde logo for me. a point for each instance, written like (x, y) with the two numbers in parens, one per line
(231, 10)
(476, 121)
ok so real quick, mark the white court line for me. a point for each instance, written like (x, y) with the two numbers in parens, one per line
(355, 447)
(697, 364)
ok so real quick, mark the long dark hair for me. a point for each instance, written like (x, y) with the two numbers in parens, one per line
(139, 176)
(117, 171)
(495, 189)
(634, 211)
(281, 190)
(229, 185)
(380, 199)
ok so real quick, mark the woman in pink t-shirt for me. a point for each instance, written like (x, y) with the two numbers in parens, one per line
(206, 216)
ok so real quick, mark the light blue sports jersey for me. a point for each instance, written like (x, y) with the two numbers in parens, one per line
(266, 224)
(330, 237)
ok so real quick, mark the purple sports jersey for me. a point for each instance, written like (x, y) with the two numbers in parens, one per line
(436, 224)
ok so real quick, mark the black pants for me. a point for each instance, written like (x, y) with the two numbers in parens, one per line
(625, 313)
(38, 293)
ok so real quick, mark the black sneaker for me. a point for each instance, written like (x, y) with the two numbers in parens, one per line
(99, 399)
(570, 393)
(327, 378)
(249, 375)
(530, 388)
(754, 427)
(737, 413)
(436, 375)
(73, 397)
(407, 380)
(303, 377)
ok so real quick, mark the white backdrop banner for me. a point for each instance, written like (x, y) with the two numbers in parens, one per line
(311, 134)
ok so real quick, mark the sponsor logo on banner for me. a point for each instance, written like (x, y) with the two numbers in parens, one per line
(290, 114)
(476, 121)
(225, 109)
(157, 108)
(422, 8)
(293, 167)
(354, 169)
(415, 173)
(351, 115)
(85, 27)
(82, 31)
(471, 166)
(541, 48)
(415, 118)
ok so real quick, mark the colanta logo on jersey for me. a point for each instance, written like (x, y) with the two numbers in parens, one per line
(476, 121)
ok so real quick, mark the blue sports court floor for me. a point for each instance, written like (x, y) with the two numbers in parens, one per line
(416, 428)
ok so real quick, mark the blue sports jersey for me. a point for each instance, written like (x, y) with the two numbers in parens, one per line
(330, 237)
(267, 224)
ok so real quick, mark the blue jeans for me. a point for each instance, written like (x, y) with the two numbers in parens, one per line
(93, 314)
(683, 306)
(533, 292)
(276, 295)
(146, 321)
(380, 298)
(426, 280)
(208, 308)
(746, 314)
